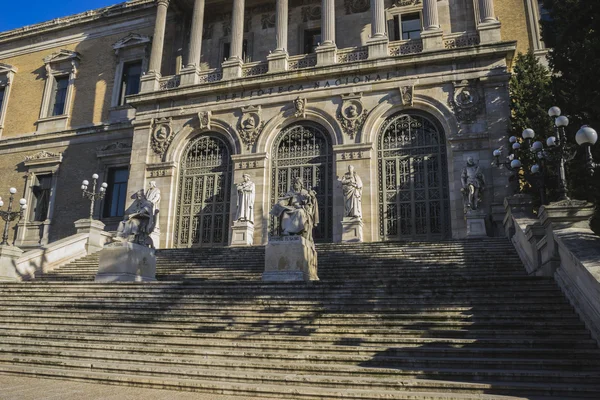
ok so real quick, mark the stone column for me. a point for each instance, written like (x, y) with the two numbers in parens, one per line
(378, 42)
(489, 26)
(326, 52)
(278, 60)
(232, 68)
(189, 73)
(150, 81)
(431, 35)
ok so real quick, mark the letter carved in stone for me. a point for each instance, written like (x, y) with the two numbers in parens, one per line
(467, 101)
(162, 135)
(352, 115)
(250, 125)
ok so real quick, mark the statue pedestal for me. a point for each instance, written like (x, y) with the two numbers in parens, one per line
(154, 238)
(352, 230)
(126, 262)
(242, 233)
(475, 224)
(290, 258)
(8, 263)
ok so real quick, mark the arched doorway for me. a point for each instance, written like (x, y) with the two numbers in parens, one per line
(413, 179)
(203, 200)
(304, 150)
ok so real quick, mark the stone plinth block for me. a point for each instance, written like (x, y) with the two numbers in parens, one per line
(150, 82)
(432, 39)
(475, 225)
(94, 228)
(126, 262)
(232, 69)
(352, 230)
(154, 239)
(290, 258)
(242, 233)
(189, 75)
(489, 32)
(8, 263)
(326, 54)
(278, 61)
(378, 47)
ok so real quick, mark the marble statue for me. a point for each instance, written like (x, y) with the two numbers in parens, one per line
(473, 185)
(352, 188)
(298, 211)
(138, 222)
(153, 196)
(245, 200)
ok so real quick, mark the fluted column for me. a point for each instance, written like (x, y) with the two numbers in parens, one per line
(195, 52)
(158, 39)
(237, 30)
(281, 22)
(430, 15)
(486, 11)
(377, 19)
(328, 22)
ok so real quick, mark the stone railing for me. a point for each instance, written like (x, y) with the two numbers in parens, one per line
(352, 54)
(462, 39)
(255, 68)
(302, 61)
(210, 75)
(402, 47)
(559, 243)
(170, 82)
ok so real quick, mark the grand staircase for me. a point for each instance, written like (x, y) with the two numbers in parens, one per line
(444, 320)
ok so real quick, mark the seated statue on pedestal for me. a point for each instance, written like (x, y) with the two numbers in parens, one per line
(297, 211)
(138, 221)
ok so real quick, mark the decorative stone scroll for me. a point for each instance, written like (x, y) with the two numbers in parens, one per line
(466, 100)
(204, 118)
(44, 155)
(300, 107)
(352, 115)
(406, 95)
(162, 135)
(250, 125)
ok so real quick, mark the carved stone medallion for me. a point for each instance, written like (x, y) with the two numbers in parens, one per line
(204, 119)
(352, 115)
(466, 100)
(162, 135)
(406, 95)
(403, 3)
(356, 6)
(299, 107)
(250, 125)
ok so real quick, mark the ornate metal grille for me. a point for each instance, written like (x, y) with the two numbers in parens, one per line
(203, 203)
(305, 151)
(413, 179)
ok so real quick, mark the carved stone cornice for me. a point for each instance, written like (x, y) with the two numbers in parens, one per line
(131, 40)
(113, 150)
(159, 170)
(43, 157)
(348, 152)
(250, 161)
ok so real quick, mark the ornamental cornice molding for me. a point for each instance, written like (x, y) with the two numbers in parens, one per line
(76, 19)
(131, 40)
(62, 56)
(43, 157)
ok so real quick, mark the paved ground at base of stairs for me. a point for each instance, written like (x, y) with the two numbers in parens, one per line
(20, 388)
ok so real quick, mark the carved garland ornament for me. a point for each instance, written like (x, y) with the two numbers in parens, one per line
(352, 115)
(43, 155)
(162, 135)
(467, 101)
(250, 125)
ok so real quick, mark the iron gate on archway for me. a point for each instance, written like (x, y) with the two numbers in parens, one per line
(413, 179)
(304, 150)
(203, 201)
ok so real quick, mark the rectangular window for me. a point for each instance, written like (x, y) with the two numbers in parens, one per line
(130, 80)
(41, 197)
(227, 50)
(2, 91)
(59, 95)
(114, 203)
(407, 26)
(312, 38)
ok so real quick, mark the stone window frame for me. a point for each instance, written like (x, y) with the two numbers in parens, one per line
(391, 13)
(131, 48)
(39, 164)
(59, 64)
(248, 37)
(535, 29)
(303, 27)
(7, 75)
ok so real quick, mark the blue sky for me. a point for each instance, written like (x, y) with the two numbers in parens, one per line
(15, 14)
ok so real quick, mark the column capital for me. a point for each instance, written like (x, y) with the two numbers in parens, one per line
(162, 3)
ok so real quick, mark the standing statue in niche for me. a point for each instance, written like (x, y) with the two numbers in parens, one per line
(138, 222)
(245, 200)
(153, 196)
(473, 185)
(297, 211)
(352, 188)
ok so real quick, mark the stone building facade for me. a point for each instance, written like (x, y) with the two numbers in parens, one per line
(192, 94)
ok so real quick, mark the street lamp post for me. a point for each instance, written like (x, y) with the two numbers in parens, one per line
(93, 195)
(587, 137)
(9, 215)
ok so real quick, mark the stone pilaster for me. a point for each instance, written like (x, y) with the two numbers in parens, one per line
(327, 51)
(489, 26)
(189, 74)
(432, 34)
(378, 42)
(232, 68)
(278, 60)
